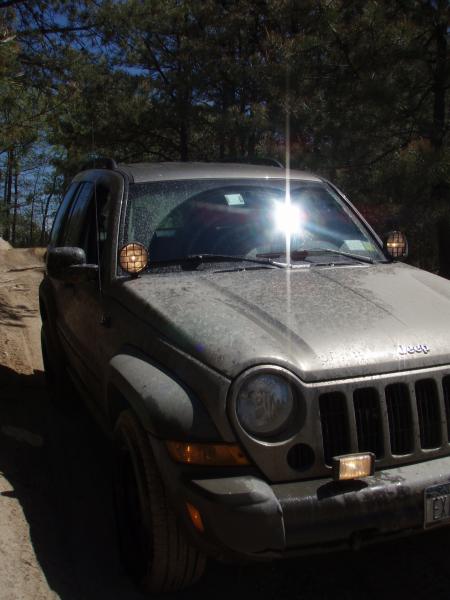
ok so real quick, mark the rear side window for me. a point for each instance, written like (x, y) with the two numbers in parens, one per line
(61, 214)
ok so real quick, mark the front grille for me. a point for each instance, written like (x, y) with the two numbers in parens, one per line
(368, 421)
(400, 418)
(394, 421)
(403, 418)
(428, 414)
(334, 419)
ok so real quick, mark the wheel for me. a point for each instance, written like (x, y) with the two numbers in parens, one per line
(152, 545)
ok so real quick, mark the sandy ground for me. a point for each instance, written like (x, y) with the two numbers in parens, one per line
(56, 527)
(20, 273)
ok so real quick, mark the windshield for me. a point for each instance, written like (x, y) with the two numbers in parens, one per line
(248, 218)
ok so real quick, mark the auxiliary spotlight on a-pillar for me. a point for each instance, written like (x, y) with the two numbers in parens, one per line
(133, 258)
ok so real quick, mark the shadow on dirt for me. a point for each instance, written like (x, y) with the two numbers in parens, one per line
(58, 466)
(15, 315)
(57, 463)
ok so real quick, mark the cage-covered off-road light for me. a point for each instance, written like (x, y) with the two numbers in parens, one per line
(353, 466)
(396, 244)
(133, 258)
(265, 404)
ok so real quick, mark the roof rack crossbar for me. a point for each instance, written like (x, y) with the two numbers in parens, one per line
(254, 160)
(100, 163)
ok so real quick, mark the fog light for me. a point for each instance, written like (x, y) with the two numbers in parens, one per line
(195, 517)
(353, 466)
(219, 455)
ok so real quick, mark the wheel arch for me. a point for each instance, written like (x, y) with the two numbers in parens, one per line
(165, 407)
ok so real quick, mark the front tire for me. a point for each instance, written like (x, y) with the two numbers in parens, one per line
(153, 547)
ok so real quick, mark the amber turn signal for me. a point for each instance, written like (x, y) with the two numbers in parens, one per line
(220, 455)
(133, 258)
(195, 517)
(353, 466)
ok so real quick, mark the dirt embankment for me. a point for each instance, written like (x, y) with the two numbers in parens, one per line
(20, 274)
(56, 526)
(20, 379)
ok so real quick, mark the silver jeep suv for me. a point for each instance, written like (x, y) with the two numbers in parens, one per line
(273, 381)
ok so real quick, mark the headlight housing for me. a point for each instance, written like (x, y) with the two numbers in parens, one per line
(265, 404)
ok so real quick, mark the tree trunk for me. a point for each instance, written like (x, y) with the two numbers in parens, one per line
(440, 79)
(43, 240)
(251, 144)
(223, 123)
(8, 193)
(443, 229)
(30, 242)
(441, 193)
(16, 203)
(33, 200)
(185, 124)
(5, 185)
(184, 137)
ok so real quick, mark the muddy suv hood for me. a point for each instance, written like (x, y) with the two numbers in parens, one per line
(323, 323)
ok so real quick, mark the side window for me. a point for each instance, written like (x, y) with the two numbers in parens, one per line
(96, 229)
(103, 210)
(61, 215)
(86, 224)
(75, 230)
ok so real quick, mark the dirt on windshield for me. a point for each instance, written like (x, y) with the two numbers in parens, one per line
(56, 522)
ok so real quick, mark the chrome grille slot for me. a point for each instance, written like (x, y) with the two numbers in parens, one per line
(428, 411)
(446, 390)
(368, 421)
(400, 418)
(335, 429)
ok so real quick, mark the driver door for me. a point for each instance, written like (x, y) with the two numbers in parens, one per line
(80, 304)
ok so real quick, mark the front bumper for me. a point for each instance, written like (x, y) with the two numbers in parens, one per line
(246, 518)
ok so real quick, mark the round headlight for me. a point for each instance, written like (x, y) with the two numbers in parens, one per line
(265, 404)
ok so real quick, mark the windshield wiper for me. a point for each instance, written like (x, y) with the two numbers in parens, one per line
(364, 259)
(194, 260)
(303, 254)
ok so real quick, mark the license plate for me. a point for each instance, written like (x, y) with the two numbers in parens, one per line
(437, 504)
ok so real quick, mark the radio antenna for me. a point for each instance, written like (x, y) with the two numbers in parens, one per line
(97, 229)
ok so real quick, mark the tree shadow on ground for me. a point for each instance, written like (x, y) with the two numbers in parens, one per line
(58, 464)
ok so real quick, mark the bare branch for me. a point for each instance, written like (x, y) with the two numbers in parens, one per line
(49, 30)
(8, 3)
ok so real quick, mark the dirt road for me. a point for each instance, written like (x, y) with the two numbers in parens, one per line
(56, 526)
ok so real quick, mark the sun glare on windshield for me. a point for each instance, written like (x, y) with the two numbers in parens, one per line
(288, 218)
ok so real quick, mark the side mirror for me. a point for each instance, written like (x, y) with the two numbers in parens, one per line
(396, 244)
(69, 264)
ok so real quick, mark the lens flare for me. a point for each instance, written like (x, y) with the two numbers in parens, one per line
(288, 218)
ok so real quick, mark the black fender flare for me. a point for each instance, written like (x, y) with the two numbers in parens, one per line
(48, 312)
(164, 406)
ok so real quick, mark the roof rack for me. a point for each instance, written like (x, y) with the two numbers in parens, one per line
(100, 163)
(254, 160)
